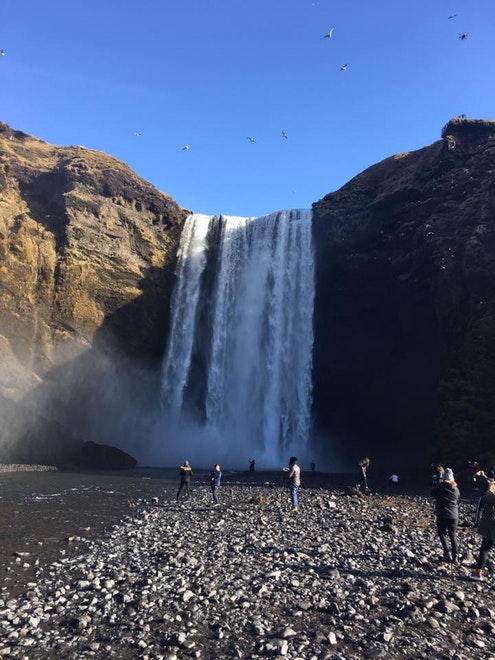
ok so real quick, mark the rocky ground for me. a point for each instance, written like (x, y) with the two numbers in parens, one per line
(26, 467)
(347, 577)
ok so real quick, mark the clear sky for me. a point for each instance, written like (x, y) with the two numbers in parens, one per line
(139, 80)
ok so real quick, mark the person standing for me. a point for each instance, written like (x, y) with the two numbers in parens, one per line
(215, 478)
(295, 482)
(486, 528)
(439, 470)
(483, 480)
(364, 464)
(185, 479)
(446, 496)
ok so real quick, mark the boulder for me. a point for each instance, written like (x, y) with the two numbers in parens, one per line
(104, 457)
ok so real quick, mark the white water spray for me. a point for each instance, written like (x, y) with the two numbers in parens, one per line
(237, 372)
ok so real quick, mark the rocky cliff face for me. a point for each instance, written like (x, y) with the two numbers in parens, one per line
(87, 252)
(404, 360)
(405, 304)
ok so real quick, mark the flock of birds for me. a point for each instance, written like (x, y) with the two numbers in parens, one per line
(328, 35)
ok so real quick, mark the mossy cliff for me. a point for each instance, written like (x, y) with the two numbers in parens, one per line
(405, 304)
(87, 254)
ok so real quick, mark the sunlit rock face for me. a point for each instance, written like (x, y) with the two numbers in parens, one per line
(87, 255)
(404, 359)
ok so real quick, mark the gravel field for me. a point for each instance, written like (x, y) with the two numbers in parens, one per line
(347, 577)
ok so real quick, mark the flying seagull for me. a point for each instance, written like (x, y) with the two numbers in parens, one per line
(284, 135)
(328, 35)
(137, 134)
(186, 147)
(452, 16)
(251, 139)
(463, 35)
(2, 52)
(344, 67)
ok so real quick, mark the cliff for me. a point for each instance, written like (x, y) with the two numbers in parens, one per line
(87, 254)
(404, 362)
(404, 356)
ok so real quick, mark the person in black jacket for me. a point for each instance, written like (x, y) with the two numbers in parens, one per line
(185, 479)
(446, 496)
(486, 529)
(215, 478)
(483, 481)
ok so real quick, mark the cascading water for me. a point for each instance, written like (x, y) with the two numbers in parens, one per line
(237, 371)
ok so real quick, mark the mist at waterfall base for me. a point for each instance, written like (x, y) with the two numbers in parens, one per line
(237, 371)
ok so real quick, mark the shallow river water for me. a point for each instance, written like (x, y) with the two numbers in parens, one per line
(47, 513)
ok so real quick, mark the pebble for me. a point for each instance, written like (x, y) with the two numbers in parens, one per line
(248, 579)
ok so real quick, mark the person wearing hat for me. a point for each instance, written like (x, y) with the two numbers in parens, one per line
(446, 496)
(486, 529)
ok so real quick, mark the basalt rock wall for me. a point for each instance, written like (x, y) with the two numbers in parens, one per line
(404, 361)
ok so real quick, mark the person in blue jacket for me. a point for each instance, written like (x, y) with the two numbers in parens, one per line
(447, 496)
(215, 478)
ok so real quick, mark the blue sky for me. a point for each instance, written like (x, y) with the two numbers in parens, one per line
(211, 73)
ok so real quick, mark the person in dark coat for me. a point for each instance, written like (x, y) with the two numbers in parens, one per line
(447, 496)
(486, 528)
(185, 479)
(215, 478)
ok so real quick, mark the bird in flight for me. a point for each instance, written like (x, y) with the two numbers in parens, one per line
(452, 16)
(186, 147)
(251, 139)
(2, 52)
(329, 34)
(343, 67)
(463, 36)
(284, 135)
(137, 133)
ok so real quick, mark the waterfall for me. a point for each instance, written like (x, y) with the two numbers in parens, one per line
(237, 370)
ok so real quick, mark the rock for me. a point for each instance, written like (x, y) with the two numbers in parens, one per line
(284, 589)
(104, 457)
(405, 300)
(87, 252)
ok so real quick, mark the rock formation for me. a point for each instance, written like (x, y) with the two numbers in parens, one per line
(87, 252)
(404, 358)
